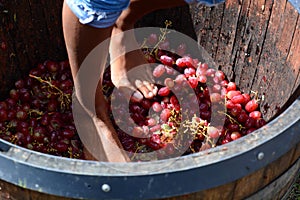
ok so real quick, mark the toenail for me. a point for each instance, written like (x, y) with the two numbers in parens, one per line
(137, 95)
(138, 83)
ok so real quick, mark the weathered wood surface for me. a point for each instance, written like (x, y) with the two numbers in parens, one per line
(30, 32)
(248, 186)
(257, 44)
(285, 166)
(11, 192)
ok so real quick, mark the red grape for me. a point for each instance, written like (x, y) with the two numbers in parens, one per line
(255, 114)
(159, 70)
(200, 71)
(20, 84)
(220, 75)
(152, 39)
(181, 49)
(151, 122)
(238, 99)
(169, 82)
(204, 66)
(3, 105)
(52, 66)
(189, 72)
(250, 130)
(242, 117)
(193, 81)
(138, 132)
(25, 97)
(14, 94)
(232, 93)
(231, 86)
(224, 83)
(233, 127)
(235, 135)
(185, 62)
(52, 105)
(180, 79)
(166, 60)
(215, 97)
(202, 79)
(64, 66)
(155, 128)
(247, 98)
(203, 107)
(164, 91)
(170, 70)
(165, 114)
(146, 103)
(11, 114)
(61, 147)
(3, 115)
(21, 115)
(229, 104)
(164, 45)
(213, 132)
(156, 107)
(180, 62)
(235, 111)
(205, 115)
(66, 85)
(189, 62)
(260, 123)
(251, 106)
(210, 72)
(174, 100)
(67, 133)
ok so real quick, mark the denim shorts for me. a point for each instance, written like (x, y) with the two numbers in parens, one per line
(98, 13)
(205, 2)
(104, 13)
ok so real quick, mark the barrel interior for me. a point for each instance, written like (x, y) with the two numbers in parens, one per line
(256, 43)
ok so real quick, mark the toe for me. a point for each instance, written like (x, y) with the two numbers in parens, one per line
(151, 87)
(144, 89)
(131, 92)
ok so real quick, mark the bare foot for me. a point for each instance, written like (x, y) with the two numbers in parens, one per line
(129, 69)
(97, 133)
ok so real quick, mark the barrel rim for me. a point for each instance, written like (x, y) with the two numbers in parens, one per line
(89, 185)
(211, 156)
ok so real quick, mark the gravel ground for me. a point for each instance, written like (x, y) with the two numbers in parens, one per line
(295, 192)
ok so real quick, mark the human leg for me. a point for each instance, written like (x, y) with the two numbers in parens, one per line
(80, 40)
(125, 61)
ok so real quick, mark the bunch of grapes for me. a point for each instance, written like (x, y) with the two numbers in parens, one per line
(171, 120)
(196, 108)
(37, 114)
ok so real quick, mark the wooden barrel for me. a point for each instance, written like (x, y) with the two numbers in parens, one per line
(257, 44)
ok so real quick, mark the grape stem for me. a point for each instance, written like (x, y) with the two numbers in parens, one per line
(65, 99)
(162, 36)
(231, 119)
